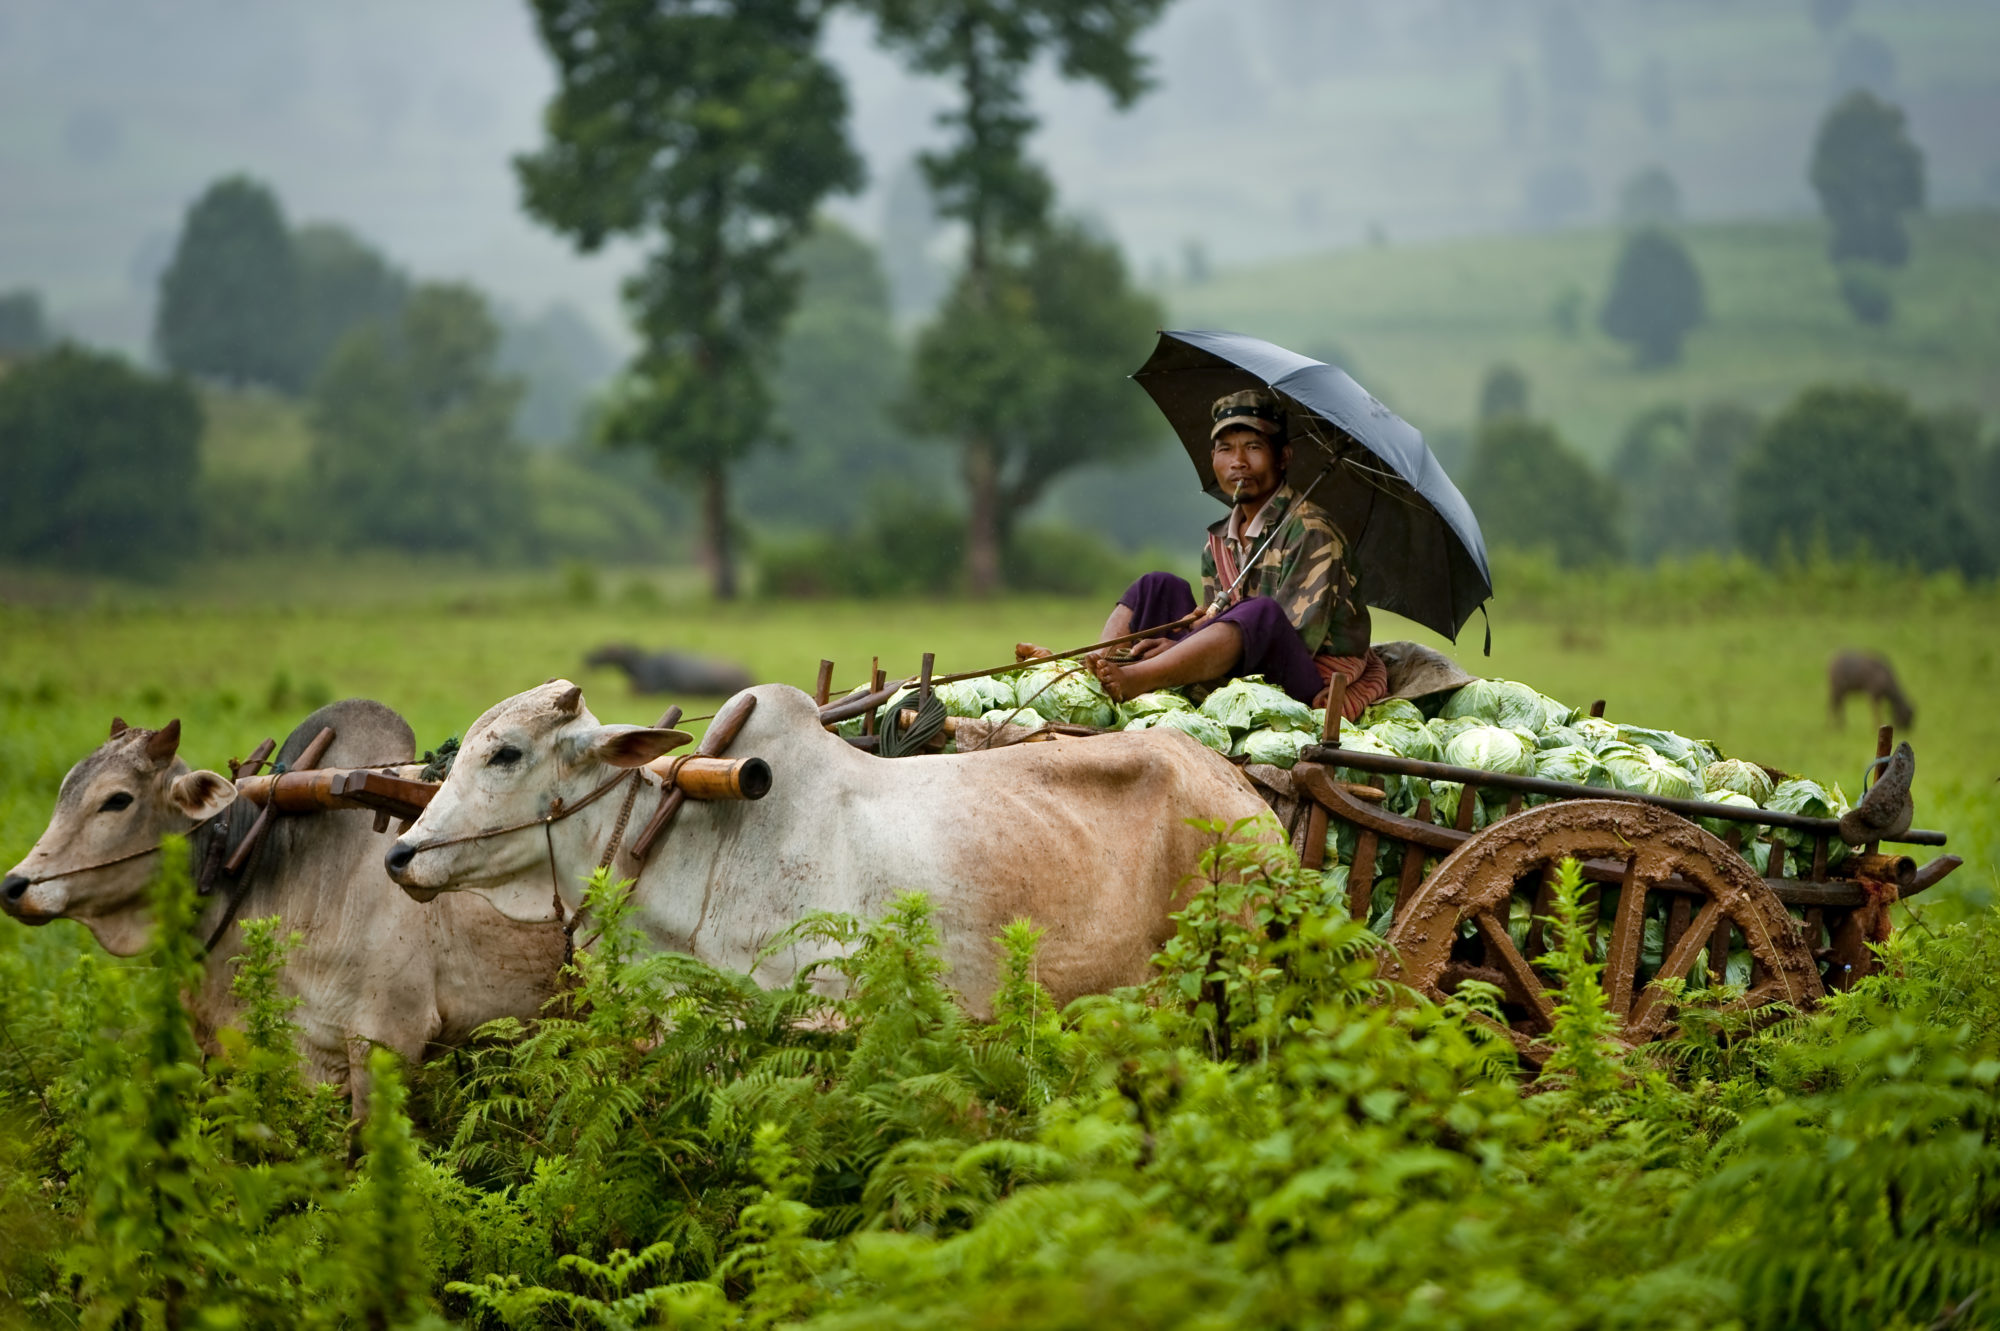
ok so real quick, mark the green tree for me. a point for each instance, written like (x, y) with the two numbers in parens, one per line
(1503, 392)
(98, 464)
(1678, 476)
(1531, 490)
(984, 179)
(412, 445)
(840, 369)
(23, 331)
(1032, 359)
(231, 300)
(1858, 469)
(1656, 297)
(344, 283)
(716, 126)
(1868, 174)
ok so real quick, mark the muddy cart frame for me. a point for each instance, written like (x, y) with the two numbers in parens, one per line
(1646, 860)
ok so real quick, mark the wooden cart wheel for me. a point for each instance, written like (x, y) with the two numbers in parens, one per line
(1654, 865)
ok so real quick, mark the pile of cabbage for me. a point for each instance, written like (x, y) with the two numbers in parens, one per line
(1494, 725)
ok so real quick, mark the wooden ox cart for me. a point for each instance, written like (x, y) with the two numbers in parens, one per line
(1679, 900)
(1806, 920)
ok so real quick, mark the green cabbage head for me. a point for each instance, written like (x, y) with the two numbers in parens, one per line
(1510, 706)
(1738, 777)
(1250, 704)
(1193, 723)
(1493, 749)
(1065, 691)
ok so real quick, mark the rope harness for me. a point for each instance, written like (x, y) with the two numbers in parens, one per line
(204, 878)
(558, 811)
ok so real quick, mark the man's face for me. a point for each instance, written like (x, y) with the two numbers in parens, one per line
(1248, 465)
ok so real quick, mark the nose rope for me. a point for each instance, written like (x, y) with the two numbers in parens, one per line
(36, 880)
(557, 812)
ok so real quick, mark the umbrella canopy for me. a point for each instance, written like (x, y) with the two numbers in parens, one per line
(1410, 533)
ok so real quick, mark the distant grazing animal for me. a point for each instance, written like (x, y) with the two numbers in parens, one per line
(671, 672)
(372, 967)
(1088, 838)
(1866, 672)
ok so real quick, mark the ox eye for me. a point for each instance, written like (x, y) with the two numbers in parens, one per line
(504, 757)
(116, 803)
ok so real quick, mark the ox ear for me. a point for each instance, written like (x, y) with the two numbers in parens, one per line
(202, 795)
(629, 746)
(164, 743)
(118, 726)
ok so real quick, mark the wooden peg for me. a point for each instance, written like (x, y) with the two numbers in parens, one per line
(721, 734)
(308, 759)
(823, 691)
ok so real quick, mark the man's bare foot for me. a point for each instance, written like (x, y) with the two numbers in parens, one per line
(1110, 674)
(1028, 651)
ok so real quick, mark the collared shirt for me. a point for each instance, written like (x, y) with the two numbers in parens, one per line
(1304, 569)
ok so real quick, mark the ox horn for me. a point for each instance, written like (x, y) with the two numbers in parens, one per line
(570, 700)
(164, 743)
(118, 726)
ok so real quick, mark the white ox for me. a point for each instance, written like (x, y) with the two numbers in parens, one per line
(372, 967)
(1088, 838)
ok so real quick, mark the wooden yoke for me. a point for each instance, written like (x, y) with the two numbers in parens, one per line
(721, 734)
(308, 759)
(338, 788)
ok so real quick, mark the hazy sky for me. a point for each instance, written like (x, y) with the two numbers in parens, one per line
(1328, 118)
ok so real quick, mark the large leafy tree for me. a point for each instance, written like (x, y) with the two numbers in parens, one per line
(1861, 471)
(1679, 476)
(715, 128)
(344, 283)
(1656, 297)
(412, 445)
(98, 464)
(1033, 361)
(1868, 174)
(23, 330)
(1532, 491)
(984, 179)
(231, 299)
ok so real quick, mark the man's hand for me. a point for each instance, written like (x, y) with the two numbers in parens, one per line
(1146, 647)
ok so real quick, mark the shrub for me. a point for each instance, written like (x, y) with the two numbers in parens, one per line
(1656, 298)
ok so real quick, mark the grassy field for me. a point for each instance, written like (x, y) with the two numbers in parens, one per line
(1423, 323)
(244, 660)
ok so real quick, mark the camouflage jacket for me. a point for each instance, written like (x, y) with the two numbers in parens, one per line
(1305, 570)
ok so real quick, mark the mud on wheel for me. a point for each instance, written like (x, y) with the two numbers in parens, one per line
(1675, 899)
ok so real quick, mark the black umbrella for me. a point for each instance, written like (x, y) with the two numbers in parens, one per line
(1410, 533)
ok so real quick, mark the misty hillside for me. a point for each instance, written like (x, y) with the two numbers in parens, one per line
(1277, 127)
(1419, 325)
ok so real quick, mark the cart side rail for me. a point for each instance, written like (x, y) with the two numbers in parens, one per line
(1390, 765)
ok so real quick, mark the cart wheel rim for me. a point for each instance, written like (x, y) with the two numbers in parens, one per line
(1655, 848)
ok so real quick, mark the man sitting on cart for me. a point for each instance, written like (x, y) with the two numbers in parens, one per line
(1286, 606)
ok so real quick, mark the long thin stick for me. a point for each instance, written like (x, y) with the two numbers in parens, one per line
(856, 705)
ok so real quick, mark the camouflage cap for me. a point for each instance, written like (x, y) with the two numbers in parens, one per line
(1257, 409)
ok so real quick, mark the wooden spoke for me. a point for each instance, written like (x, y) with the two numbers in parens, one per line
(1512, 964)
(1675, 964)
(1628, 933)
(1712, 893)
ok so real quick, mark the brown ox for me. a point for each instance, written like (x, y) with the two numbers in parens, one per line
(1088, 838)
(373, 966)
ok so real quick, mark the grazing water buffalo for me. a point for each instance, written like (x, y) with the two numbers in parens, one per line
(1870, 674)
(671, 672)
(1086, 837)
(373, 966)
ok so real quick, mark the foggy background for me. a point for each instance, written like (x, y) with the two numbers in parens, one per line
(1278, 127)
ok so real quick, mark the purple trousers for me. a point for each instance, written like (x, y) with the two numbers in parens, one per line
(1271, 646)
